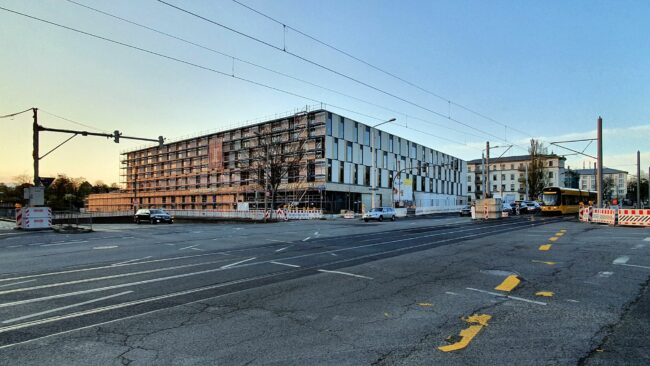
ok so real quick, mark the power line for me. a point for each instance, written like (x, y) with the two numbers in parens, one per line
(189, 64)
(264, 67)
(15, 114)
(72, 121)
(329, 69)
(329, 45)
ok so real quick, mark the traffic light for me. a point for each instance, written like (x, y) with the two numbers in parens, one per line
(161, 141)
(116, 136)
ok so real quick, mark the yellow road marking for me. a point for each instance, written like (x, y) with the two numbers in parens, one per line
(553, 238)
(559, 234)
(545, 247)
(477, 323)
(563, 230)
(427, 304)
(509, 283)
(544, 262)
(545, 293)
(386, 314)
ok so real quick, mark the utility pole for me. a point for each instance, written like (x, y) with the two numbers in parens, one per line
(35, 153)
(599, 172)
(638, 179)
(526, 179)
(483, 173)
(487, 168)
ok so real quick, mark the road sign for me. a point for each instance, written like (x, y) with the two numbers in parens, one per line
(46, 181)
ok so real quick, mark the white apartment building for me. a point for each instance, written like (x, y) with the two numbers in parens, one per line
(507, 176)
(588, 181)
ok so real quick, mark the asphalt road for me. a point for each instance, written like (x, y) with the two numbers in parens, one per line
(325, 292)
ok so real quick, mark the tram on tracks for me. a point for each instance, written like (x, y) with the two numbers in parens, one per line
(563, 201)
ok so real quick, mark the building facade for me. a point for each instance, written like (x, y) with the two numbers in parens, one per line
(225, 170)
(507, 176)
(618, 179)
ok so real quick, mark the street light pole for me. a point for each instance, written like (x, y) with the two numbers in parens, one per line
(373, 174)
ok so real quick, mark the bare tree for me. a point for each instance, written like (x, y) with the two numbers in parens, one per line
(278, 156)
(608, 185)
(537, 177)
(23, 179)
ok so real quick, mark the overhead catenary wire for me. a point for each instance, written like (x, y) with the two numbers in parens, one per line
(192, 64)
(210, 49)
(332, 70)
(15, 114)
(73, 121)
(384, 71)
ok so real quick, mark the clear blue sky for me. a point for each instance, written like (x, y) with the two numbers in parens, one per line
(546, 68)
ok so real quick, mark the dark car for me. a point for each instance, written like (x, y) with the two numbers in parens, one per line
(466, 211)
(152, 216)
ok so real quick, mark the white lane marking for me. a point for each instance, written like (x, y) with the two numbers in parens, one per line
(316, 233)
(294, 257)
(199, 249)
(506, 296)
(64, 307)
(605, 274)
(130, 260)
(279, 241)
(281, 249)
(634, 265)
(646, 239)
(15, 246)
(127, 237)
(571, 300)
(334, 254)
(450, 293)
(307, 238)
(170, 244)
(345, 273)
(236, 263)
(16, 283)
(85, 280)
(638, 246)
(621, 260)
(64, 243)
(286, 264)
(106, 247)
(189, 247)
(187, 292)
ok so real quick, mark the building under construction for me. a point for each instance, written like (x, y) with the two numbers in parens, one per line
(312, 159)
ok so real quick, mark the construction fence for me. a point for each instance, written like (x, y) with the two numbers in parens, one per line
(612, 216)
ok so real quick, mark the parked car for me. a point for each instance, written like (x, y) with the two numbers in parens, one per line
(506, 207)
(152, 216)
(533, 206)
(466, 211)
(380, 213)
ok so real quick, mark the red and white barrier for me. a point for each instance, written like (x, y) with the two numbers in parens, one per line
(584, 215)
(34, 218)
(604, 216)
(635, 217)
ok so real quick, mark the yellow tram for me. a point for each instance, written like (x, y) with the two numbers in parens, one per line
(562, 201)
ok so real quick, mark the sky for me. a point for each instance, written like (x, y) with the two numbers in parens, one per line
(528, 69)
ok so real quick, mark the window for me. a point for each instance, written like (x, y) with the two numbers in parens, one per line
(385, 161)
(413, 150)
(469, 188)
(494, 177)
(328, 125)
(512, 166)
(512, 187)
(366, 177)
(348, 152)
(311, 171)
(354, 173)
(494, 188)
(378, 142)
(335, 149)
(342, 128)
(503, 177)
(512, 177)
(356, 132)
(550, 174)
(341, 172)
(366, 136)
(329, 170)
(390, 143)
(550, 163)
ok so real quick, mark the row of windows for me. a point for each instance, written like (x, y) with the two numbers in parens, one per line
(477, 167)
(412, 147)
